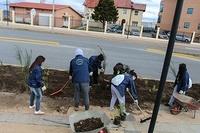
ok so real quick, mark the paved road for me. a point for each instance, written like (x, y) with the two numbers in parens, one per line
(145, 56)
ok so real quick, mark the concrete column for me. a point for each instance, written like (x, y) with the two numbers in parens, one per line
(123, 30)
(158, 31)
(87, 26)
(50, 21)
(32, 20)
(106, 26)
(1, 15)
(13, 16)
(69, 23)
(141, 30)
(193, 36)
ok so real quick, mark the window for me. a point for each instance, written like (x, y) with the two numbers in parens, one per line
(198, 27)
(134, 23)
(124, 11)
(159, 18)
(190, 11)
(187, 25)
(161, 7)
(136, 13)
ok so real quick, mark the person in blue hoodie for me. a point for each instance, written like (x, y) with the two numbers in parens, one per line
(79, 73)
(96, 64)
(119, 84)
(182, 83)
(35, 84)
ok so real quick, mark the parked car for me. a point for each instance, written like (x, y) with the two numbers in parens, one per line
(161, 35)
(135, 32)
(115, 29)
(182, 38)
(148, 29)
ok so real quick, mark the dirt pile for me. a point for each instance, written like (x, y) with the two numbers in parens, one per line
(88, 124)
(11, 80)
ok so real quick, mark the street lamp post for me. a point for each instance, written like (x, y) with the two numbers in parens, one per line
(53, 13)
(7, 11)
(129, 23)
(166, 64)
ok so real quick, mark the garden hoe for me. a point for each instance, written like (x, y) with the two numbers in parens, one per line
(145, 118)
(58, 91)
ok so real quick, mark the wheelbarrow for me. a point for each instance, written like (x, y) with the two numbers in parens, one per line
(76, 117)
(184, 103)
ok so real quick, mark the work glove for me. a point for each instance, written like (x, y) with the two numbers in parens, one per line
(70, 77)
(136, 102)
(127, 89)
(91, 73)
(102, 70)
(181, 92)
(44, 88)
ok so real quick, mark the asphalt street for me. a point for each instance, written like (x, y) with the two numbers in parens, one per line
(143, 55)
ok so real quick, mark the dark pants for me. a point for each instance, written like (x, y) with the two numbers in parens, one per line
(94, 77)
(81, 88)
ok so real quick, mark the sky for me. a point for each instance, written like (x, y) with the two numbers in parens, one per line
(151, 13)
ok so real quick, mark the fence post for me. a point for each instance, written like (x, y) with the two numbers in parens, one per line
(50, 21)
(158, 31)
(141, 30)
(193, 36)
(31, 19)
(69, 23)
(1, 15)
(13, 16)
(106, 26)
(87, 26)
(123, 30)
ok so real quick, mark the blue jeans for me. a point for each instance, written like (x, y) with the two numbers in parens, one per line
(36, 96)
(81, 88)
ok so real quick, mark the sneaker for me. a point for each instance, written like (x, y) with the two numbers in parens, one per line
(39, 112)
(32, 107)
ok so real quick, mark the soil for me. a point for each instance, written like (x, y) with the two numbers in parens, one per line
(11, 80)
(88, 124)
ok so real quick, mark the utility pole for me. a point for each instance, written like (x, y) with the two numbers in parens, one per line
(53, 14)
(129, 23)
(166, 64)
(7, 12)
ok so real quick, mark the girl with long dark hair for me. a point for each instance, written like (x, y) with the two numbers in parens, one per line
(35, 84)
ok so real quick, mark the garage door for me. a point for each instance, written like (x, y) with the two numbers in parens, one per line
(44, 19)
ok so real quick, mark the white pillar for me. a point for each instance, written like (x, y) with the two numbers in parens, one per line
(141, 30)
(123, 30)
(87, 26)
(13, 16)
(32, 20)
(69, 23)
(105, 28)
(158, 31)
(1, 15)
(50, 21)
(193, 36)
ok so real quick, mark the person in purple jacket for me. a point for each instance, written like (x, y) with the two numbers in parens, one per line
(119, 84)
(35, 84)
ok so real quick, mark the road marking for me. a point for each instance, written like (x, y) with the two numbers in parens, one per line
(24, 40)
(179, 55)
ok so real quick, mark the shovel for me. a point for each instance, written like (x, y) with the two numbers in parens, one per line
(145, 118)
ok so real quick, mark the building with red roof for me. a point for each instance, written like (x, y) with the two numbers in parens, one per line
(125, 9)
(43, 12)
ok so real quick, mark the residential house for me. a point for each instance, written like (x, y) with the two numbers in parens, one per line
(43, 14)
(126, 9)
(189, 21)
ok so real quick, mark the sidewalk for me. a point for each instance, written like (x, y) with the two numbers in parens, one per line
(83, 33)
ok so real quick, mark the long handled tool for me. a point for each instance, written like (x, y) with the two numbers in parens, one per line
(145, 118)
(60, 88)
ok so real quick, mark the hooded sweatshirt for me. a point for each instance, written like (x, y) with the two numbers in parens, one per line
(79, 68)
